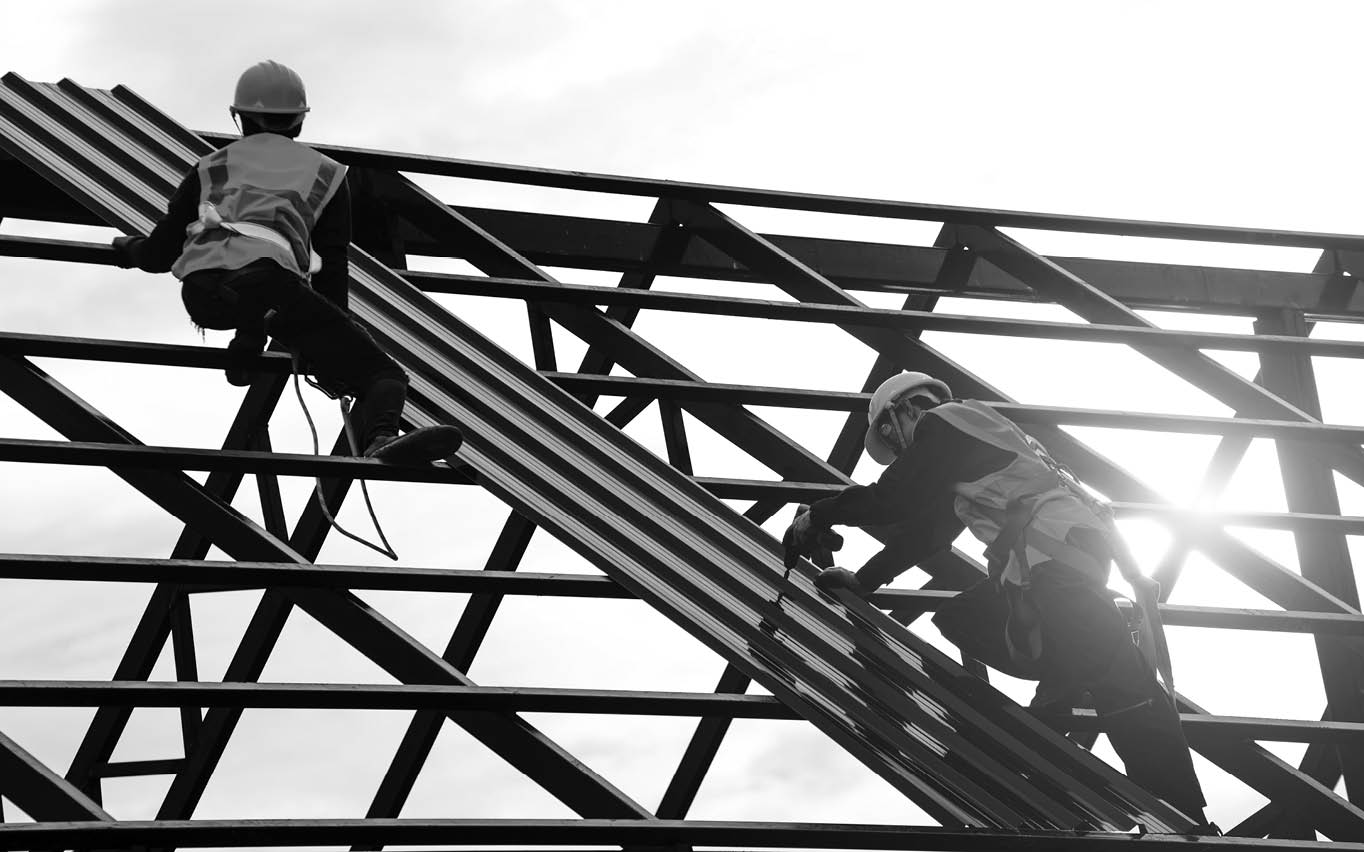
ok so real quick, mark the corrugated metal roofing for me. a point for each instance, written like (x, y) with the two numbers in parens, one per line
(964, 753)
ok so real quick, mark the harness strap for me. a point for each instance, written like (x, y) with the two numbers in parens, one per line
(1017, 533)
(210, 218)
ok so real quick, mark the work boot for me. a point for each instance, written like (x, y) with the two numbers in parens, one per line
(379, 441)
(431, 443)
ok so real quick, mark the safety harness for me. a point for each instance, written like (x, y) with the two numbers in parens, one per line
(1017, 533)
(210, 218)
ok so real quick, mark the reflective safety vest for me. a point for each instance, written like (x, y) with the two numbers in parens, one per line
(259, 198)
(1053, 508)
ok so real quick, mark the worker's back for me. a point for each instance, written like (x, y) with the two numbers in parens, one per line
(1028, 483)
(262, 181)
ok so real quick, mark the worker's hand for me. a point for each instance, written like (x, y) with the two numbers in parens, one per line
(801, 533)
(831, 580)
(123, 251)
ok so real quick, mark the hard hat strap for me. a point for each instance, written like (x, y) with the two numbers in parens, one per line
(890, 429)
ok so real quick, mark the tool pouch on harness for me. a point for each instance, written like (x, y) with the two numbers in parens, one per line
(996, 621)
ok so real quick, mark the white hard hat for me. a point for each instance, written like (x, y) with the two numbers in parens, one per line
(884, 398)
(269, 88)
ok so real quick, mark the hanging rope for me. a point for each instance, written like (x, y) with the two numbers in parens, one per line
(345, 402)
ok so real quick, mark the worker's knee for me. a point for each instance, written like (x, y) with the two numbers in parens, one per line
(391, 373)
(209, 303)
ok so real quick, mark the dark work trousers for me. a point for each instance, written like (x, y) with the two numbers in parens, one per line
(330, 345)
(1087, 648)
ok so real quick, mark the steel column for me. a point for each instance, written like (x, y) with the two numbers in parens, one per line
(1324, 557)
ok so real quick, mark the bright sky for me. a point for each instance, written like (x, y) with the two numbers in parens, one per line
(1234, 113)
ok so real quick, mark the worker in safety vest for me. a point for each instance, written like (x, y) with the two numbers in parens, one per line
(1045, 613)
(258, 234)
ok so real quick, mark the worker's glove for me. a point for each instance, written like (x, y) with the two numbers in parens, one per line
(123, 251)
(802, 530)
(831, 580)
(804, 538)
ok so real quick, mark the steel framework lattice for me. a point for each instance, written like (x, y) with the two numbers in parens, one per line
(971, 758)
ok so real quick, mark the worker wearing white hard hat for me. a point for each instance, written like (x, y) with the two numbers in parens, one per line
(1044, 612)
(259, 232)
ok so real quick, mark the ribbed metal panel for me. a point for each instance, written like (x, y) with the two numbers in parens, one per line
(964, 753)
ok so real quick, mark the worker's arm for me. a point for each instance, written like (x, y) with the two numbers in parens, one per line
(915, 497)
(331, 240)
(939, 457)
(158, 251)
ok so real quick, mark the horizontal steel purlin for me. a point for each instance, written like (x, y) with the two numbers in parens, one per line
(861, 316)
(851, 315)
(355, 696)
(689, 390)
(111, 455)
(561, 241)
(34, 693)
(166, 458)
(514, 834)
(162, 458)
(213, 575)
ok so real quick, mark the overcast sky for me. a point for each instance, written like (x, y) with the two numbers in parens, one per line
(1232, 113)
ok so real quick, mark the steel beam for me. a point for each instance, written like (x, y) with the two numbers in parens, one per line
(854, 313)
(116, 455)
(186, 665)
(267, 486)
(140, 768)
(517, 835)
(190, 575)
(645, 390)
(675, 435)
(1201, 728)
(444, 699)
(1225, 459)
(573, 242)
(628, 247)
(41, 793)
(715, 194)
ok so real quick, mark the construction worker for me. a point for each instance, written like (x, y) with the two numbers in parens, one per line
(258, 234)
(1045, 613)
